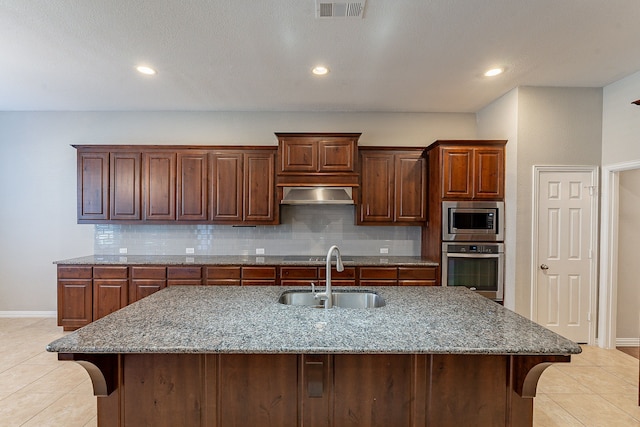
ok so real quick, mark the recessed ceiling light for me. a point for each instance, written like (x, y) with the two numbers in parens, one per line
(320, 70)
(494, 72)
(143, 69)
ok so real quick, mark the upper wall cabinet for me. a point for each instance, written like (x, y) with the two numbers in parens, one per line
(392, 186)
(317, 158)
(243, 187)
(167, 184)
(469, 170)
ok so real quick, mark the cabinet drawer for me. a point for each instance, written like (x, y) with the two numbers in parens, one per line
(343, 282)
(74, 272)
(298, 273)
(417, 282)
(194, 272)
(258, 273)
(257, 282)
(222, 282)
(347, 273)
(378, 273)
(110, 272)
(185, 282)
(374, 282)
(417, 273)
(148, 272)
(223, 273)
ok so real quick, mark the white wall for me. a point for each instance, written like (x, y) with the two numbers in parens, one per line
(621, 121)
(499, 120)
(628, 316)
(38, 172)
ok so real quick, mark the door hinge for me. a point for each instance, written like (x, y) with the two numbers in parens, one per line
(592, 189)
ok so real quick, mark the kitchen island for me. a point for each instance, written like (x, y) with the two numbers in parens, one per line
(234, 356)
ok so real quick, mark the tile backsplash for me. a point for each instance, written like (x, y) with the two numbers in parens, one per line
(304, 230)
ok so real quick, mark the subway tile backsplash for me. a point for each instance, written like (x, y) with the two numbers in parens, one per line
(304, 230)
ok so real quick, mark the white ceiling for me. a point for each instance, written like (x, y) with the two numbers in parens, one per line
(256, 55)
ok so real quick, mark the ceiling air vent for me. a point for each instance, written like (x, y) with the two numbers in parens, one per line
(326, 9)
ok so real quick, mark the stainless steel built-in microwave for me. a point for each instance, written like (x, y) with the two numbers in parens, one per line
(472, 221)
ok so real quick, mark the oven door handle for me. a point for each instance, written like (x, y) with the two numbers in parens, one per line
(456, 255)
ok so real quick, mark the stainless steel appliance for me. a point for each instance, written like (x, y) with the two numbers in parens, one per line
(472, 221)
(478, 266)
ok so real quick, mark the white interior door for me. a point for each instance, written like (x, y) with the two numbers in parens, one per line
(564, 259)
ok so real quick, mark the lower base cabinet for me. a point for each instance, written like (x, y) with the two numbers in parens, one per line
(319, 390)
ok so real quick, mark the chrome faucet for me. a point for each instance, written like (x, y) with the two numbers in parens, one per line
(326, 295)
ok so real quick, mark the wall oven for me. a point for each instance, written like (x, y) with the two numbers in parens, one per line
(478, 266)
(473, 221)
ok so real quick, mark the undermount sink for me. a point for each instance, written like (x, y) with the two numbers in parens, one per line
(341, 298)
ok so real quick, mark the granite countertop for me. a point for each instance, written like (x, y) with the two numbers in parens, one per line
(242, 260)
(233, 319)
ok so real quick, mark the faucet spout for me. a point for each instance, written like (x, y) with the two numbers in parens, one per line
(326, 295)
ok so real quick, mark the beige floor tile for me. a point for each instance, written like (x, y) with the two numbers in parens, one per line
(593, 410)
(19, 376)
(554, 380)
(43, 358)
(3, 395)
(598, 380)
(18, 408)
(547, 413)
(628, 374)
(65, 377)
(626, 402)
(92, 423)
(71, 410)
(600, 357)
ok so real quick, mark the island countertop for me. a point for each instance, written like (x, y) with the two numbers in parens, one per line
(236, 319)
(248, 260)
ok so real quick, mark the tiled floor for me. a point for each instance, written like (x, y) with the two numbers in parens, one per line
(598, 388)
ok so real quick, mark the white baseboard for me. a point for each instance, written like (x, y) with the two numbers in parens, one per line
(28, 313)
(627, 342)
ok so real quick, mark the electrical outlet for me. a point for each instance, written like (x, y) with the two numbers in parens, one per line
(123, 250)
(384, 250)
(191, 251)
(259, 251)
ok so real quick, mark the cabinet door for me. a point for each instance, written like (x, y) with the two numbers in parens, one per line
(109, 295)
(373, 390)
(298, 155)
(192, 186)
(410, 188)
(75, 302)
(93, 185)
(125, 186)
(141, 288)
(376, 200)
(259, 187)
(489, 173)
(336, 155)
(159, 186)
(457, 173)
(227, 186)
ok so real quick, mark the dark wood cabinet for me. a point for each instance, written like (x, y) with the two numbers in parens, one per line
(393, 187)
(110, 290)
(460, 170)
(470, 172)
(259, 276)
(145, 280)
(159, 183)
(191, 186)
(93, 186)
(184, 275)
(243, 187)
(75, 296)
(223, 276)
(124, 190)
(317, 153)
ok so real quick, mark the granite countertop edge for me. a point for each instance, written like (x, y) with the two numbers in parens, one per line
(235, 320)
(274, 260)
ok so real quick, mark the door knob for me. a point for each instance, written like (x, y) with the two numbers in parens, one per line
(544, 267)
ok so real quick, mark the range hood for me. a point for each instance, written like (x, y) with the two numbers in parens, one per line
(317, 196)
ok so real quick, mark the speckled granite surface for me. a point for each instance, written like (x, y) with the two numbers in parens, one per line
(239, 260)
(220, 319)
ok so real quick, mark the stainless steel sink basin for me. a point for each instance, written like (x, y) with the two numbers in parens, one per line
(341, 298)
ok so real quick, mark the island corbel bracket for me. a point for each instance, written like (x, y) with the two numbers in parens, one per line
(102, 368)
(527, 370)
